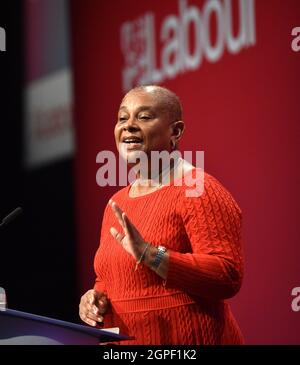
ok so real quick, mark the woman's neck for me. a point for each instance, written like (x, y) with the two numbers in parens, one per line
(162, 175)
(146, 184)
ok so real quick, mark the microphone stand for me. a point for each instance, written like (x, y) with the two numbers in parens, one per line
(9, 218)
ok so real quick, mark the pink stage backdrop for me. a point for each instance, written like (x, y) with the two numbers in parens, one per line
(233, 65)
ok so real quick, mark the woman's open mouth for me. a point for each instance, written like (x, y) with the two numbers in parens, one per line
(132, 143)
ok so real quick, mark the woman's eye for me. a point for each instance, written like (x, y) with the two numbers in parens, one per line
(122, 119)
(144, 117)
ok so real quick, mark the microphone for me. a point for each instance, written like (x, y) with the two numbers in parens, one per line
(6, 220)
(11, 216)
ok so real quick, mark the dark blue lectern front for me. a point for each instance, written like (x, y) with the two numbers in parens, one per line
(20, 328)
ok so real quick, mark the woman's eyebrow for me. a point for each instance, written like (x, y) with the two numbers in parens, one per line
(139, 109)
(144, 107)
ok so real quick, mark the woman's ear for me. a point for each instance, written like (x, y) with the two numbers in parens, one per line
(178, 129)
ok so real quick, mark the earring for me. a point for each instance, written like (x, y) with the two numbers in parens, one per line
(173, 143)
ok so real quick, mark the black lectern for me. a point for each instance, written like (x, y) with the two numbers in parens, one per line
(20, 328)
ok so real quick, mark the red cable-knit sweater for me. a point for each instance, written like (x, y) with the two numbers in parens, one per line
(203, 238)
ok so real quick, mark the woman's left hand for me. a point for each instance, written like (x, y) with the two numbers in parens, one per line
(130, 238)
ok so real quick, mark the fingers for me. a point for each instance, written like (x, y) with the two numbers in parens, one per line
(91, 316)
(91, 296)
(123, 220)
(89, 311)
(89, 320)
(103, 304)
(128, 227)
(118, 212)
(116, 234)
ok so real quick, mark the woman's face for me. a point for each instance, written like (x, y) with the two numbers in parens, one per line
(143, 125)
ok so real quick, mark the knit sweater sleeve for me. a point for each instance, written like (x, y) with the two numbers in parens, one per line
(213, 223)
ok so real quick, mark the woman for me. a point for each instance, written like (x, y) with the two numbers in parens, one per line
(166, 261)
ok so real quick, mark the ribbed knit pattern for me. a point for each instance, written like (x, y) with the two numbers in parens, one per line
(202, 235)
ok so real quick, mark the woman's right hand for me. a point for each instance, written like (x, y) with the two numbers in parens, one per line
(93, 305)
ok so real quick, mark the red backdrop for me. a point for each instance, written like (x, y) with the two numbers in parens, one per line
(242, 110)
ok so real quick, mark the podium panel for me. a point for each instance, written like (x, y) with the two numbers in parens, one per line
(20, 328)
